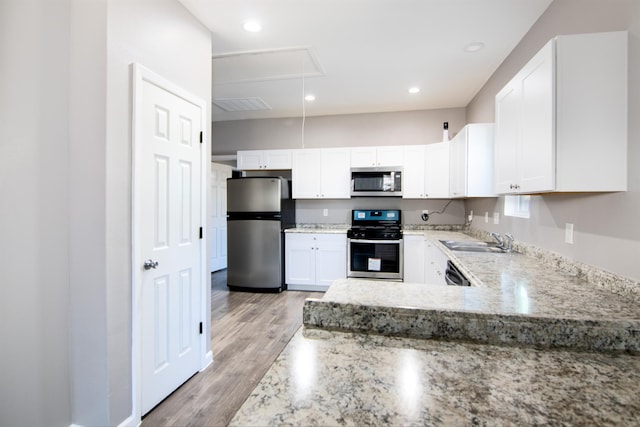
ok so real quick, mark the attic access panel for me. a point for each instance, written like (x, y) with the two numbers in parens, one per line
(262, 65)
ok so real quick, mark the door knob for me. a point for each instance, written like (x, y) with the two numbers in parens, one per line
(149, 264)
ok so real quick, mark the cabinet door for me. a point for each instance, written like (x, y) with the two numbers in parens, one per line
(277, 159)
(249, 159)
(507, 129)
(414, 259)
(458, 164)
(536, 147)
(362, 157)
(436, 183)
(305, 174)
(331, 258)
(435, 265)
(300, 259)
(389, 156)
(335, 176)
(413, 172)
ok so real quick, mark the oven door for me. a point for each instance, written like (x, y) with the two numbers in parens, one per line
(378, 259)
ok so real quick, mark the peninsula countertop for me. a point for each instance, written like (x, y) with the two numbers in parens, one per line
(515, 298)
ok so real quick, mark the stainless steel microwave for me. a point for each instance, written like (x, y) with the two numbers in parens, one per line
(378, 181)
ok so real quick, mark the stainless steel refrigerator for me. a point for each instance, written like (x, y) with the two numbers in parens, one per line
(259, 209)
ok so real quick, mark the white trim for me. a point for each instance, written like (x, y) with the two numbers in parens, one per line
(139, 75)
(130, 422)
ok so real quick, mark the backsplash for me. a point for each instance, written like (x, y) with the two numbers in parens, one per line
(339, 211)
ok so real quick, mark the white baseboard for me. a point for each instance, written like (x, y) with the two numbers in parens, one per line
(130, 422)
(208, 360)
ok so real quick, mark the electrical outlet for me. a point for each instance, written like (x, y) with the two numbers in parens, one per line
(496, 218)
(325, 212)
(486, 217)
(470, 217)
(568, 233)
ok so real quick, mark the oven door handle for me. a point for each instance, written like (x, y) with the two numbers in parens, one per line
(375, 241)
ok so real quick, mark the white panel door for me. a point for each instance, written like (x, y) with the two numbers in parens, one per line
(217, 214)
(169, 200)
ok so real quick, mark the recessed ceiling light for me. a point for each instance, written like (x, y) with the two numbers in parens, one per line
(310, 97)
(473, 47)
(252, 26)
(414, 89)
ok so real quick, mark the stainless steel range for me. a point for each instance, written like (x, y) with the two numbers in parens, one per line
(375, 245)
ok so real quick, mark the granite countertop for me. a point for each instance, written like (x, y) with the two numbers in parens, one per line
(358, 361)
(515, 299)
(319, 228)
(328, 378)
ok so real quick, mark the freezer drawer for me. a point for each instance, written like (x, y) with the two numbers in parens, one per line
(255, 251)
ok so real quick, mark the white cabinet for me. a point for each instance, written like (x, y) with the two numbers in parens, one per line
(426, 171)
(314, 260)
(561, 122)
(435, 265)
(362, 157)
(264, 159)
(471, 161)
(423, 261)
(322, 173)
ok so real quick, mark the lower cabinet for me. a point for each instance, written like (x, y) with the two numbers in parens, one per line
(314, 260)
(423, 261)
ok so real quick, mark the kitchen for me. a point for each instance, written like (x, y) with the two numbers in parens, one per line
(86, 376)
(378, 130)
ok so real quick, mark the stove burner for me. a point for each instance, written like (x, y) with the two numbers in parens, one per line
(375, 225)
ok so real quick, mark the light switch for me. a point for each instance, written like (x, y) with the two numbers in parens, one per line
(325, 212)
(496, 217)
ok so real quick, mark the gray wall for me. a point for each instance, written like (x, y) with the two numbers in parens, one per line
(396, 128)
(606, 229)
(375, 129)
(65, 165)
(34, 214)
(164, 37)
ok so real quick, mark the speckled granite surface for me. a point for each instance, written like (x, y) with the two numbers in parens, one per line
(328, 379)
(319, 228)
(516, 299)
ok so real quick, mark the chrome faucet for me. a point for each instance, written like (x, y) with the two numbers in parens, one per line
(509, 242)
(507, 245)
(498, 238)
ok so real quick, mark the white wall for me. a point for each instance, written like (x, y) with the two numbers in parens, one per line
(607, 234)
(34, 224)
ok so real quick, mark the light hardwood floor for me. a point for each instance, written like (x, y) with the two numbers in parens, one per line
(248, 331)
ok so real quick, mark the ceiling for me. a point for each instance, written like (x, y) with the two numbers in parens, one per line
(356, 56)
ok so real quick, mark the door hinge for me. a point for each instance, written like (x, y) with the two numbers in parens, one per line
(200, 328)
(201, 137)
(201, 232)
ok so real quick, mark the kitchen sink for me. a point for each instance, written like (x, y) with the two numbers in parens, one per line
(490, 247)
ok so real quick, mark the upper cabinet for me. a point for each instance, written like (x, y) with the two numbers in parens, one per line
(362, 157)
(264, 159)
(426, 171)
(471, 161)
(321, 173)
(561, 122)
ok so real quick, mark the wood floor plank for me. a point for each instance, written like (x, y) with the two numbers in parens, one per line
(248, 331)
